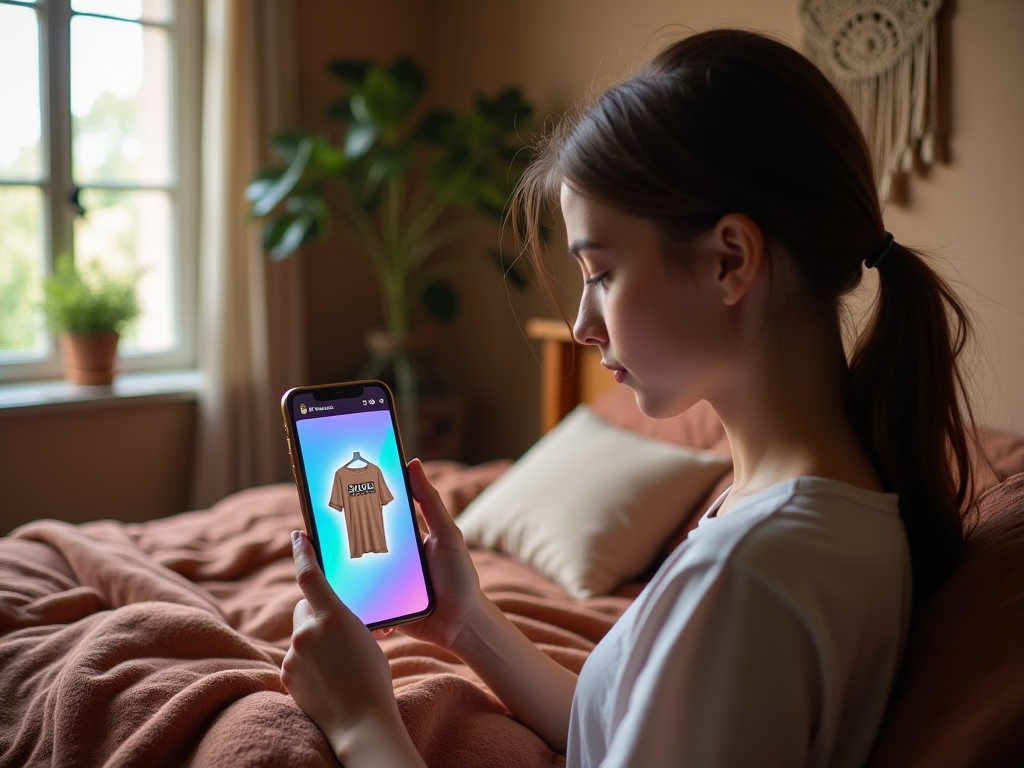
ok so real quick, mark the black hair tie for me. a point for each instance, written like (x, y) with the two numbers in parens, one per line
(873, 261)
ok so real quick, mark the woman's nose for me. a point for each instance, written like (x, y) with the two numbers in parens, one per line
(589, 327)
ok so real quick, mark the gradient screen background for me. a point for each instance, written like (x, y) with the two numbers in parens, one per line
(377, 587)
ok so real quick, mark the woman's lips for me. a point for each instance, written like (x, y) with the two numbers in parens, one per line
(618, 373)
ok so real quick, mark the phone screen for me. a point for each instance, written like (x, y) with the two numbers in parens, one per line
(358, 501)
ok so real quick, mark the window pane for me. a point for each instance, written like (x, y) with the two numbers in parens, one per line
(20, 146)
(120, 102)
(150, 10)
(125, 231)
(21, 270)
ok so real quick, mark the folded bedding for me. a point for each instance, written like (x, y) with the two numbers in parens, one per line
(160, 644)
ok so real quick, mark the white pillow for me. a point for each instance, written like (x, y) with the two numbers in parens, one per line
(590, 505)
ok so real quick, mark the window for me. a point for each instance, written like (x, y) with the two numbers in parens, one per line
(99, 146)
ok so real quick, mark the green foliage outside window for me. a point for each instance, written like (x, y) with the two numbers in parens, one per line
(20, 260)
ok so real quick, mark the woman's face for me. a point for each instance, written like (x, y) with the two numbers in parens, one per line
(662, 329)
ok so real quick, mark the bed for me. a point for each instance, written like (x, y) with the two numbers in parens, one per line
(159, 643)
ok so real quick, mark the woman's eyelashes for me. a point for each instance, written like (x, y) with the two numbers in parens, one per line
(599, 278)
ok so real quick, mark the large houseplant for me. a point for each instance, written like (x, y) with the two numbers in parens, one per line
(393, 179)
(403, 182)
(89, 309)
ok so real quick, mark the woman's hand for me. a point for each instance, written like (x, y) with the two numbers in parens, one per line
(457, 595)
(337, 673)
(536, 689)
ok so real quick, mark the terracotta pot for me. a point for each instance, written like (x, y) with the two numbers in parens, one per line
(89, 358)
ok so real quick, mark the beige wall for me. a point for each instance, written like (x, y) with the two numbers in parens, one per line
(968, 211)
(560, 51)
(339, 304)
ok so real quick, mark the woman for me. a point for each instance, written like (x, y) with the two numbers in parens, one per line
(720, 205)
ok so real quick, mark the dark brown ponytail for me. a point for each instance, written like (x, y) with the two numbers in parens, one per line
(907, 396)
(732, 121)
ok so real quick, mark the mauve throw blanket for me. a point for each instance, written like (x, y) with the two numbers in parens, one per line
(159, 644)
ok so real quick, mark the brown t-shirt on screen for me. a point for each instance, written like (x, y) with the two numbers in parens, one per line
(361, 494)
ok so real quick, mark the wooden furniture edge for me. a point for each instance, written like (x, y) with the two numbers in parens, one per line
(570, 373)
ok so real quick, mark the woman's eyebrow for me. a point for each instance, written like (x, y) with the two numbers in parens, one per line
(580, 245)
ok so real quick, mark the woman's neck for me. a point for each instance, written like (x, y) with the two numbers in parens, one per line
(785, 411)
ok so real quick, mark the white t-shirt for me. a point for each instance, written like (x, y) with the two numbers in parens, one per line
(770, 637)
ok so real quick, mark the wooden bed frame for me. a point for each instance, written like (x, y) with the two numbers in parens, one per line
(571, 373)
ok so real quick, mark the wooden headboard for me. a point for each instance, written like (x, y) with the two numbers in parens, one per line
(571, 373)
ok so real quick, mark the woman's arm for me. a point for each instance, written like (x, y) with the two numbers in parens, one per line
(537, 690)
(336, 672)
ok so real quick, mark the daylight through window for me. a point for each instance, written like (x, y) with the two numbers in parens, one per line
(90, 164)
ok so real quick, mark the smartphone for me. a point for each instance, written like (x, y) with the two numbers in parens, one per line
(356, 500)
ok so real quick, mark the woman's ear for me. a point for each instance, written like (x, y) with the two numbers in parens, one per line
(739, 246)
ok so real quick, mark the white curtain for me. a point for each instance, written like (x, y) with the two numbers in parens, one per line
(250, 327)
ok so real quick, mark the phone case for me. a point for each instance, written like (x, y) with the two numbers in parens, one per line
(361, 496)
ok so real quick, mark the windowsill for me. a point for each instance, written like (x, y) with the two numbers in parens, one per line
(27, 398)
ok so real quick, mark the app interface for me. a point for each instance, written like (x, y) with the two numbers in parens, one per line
(360, 505)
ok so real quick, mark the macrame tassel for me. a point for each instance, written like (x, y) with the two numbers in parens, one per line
(883, 57)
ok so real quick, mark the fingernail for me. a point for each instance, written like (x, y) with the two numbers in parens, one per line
(296, 538)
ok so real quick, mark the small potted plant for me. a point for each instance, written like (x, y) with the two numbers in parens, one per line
(89, 309)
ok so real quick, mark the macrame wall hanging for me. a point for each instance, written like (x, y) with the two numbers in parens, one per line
(882, 55)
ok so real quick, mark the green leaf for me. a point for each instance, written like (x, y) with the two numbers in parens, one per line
(393, 163)
(410, 76)
(298, 232)
(286, 144)
(350, 70)
(385, 101)
(264, 180)
(451, 182)
(504, 108)
(441, 301)
(434, 126)
(359, 138)
(370, 194)
(313, 203)
(287, 181)
(274, 229)
(327, 158)
(359, 110)
(340, 110)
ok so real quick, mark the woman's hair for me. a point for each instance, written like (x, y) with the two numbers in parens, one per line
(732, 121)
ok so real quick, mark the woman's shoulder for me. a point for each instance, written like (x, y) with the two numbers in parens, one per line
(803, 534)
(815, 509)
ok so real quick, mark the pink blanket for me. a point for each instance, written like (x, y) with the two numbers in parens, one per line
(159, 644)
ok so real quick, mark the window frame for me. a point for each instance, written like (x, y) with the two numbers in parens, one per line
(185, 44)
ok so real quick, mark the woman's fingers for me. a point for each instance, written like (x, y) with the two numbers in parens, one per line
(438, 520)
(311, 579)
(301, 614)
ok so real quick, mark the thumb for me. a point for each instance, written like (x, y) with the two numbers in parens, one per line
(311, 579)
(438, 520)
